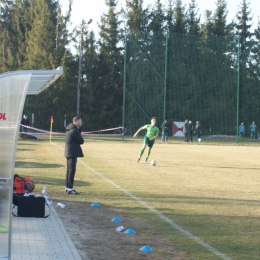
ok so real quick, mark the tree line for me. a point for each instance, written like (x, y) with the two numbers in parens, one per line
(34, 34)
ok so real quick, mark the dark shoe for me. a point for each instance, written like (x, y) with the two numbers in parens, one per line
(73, 192)
(146, 159)
(138, 160)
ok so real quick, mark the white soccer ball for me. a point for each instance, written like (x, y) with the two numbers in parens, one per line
(153, 162)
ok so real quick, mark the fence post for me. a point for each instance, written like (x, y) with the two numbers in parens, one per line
(124, 86)
(238, 76)
(165, 82)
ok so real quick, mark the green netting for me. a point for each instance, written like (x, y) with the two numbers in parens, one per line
(144, 79)
(180, 77)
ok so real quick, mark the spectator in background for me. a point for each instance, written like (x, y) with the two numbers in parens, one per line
(165, 128)
(198, 131)
(190, 137)
(253, 131)
(25, 122)
(185, 130)
(241, 131)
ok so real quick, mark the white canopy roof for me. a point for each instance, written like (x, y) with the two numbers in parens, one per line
(40, 79)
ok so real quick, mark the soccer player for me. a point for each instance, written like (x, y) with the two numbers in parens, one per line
(151, 134)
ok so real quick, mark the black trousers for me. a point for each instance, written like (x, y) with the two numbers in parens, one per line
(191, 136)
(71, 170)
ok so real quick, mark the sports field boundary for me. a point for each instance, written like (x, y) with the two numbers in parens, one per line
(156, 212)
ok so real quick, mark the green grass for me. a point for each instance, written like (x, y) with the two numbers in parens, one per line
(211, 190)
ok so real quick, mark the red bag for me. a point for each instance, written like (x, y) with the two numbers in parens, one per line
(28, 185)
(23, 185)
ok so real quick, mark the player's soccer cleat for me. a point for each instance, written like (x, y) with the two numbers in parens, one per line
(73, 192)
(138, 160)
(146, 159)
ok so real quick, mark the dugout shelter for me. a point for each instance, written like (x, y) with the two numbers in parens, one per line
(14, 86)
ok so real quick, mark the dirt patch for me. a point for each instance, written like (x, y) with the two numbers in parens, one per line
(95, 236)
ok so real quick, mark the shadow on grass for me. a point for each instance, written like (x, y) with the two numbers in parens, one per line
(21, 164)
(194, 200)
(26, 143)
(23, 150)
(209, 166)
(40, 181)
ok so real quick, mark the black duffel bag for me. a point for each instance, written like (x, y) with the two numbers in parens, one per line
(31, 206)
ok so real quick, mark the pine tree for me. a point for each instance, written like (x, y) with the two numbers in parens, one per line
(216, 25)
(242, 26)
(58, 99)
(255, 65)
(243, 20)
(193, 20)
(157, 18)
(137, 17)
(169, 16)
(63, 36)
(207, 26)
(108, 88)
(90, 75)
(179, 25)
(220, 26)
(7, 37)
(34, 34)
(41, 37)
(21, 26)
(256, 51)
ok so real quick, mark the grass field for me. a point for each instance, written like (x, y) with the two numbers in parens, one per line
(207, 193)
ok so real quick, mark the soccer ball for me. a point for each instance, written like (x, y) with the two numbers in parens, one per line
(153, 162)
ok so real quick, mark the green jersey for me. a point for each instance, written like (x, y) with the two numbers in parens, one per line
(151, 130)
(253, 128)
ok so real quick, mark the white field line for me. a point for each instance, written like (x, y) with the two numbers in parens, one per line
(160, 215)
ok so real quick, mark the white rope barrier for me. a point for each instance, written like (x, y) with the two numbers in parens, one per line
(90, 133)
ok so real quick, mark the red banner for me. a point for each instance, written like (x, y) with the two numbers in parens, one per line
(2, 116)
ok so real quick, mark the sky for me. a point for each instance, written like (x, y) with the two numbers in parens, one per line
(93, 9)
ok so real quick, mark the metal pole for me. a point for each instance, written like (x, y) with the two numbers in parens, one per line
(238, 75)
(124, 86)
(165, 84)
(79, 74)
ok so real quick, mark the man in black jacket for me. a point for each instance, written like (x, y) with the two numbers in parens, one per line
(185, 130)
(198, 130)
(25, 121)
(165, 128)
(72, 151)
(191, 131)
